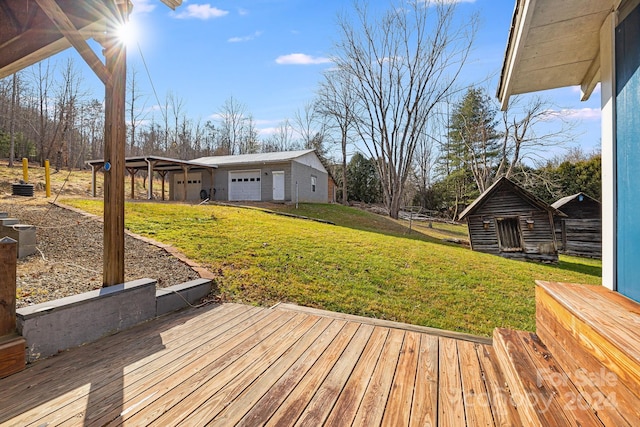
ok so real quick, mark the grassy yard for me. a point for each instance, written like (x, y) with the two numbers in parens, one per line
(365, 264)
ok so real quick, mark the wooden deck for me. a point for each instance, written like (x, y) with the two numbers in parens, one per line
(238, 365)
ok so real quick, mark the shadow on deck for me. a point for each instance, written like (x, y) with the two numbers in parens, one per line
(232, 364)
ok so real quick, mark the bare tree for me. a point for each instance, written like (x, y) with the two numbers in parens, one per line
(336, 101)
(237, 132)
(15, 102)
(136, 112)
(42, 77)
(522, 139)
(281, 139)
(402, 63)
(309, 124)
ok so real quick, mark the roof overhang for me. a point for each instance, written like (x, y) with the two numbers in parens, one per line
(553, 44)
(33, 30)
(159, 164)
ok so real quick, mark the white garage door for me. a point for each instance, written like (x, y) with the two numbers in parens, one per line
(245, 185)
(194, 185)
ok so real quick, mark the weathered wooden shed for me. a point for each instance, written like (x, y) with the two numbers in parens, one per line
(580, 232)
(509, 221)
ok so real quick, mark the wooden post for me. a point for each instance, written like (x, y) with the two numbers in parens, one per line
(132, 172)
(25, 169)
(162, 174)
(12, 345)
(8, 260)
(150, 166)
(114, 149)
(185, 170)
(47, 178)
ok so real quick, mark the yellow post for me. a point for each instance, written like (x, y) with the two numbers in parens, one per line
(25, 169)
(47, 178)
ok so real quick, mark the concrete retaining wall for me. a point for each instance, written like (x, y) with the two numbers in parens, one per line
(180, 296)
(68, 322)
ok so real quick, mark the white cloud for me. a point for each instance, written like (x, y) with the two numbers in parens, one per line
(268, 131)
(245, 38)
(243, 12)
(581, 113)
(301, 59)
(201, 11)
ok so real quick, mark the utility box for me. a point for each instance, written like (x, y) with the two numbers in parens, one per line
(24, 234)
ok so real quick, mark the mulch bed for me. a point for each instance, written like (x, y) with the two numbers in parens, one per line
(69, 258)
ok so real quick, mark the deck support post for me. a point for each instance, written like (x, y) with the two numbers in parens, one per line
(12, 346)
(114, 148)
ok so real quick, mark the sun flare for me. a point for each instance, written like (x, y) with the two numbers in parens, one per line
(127, 33)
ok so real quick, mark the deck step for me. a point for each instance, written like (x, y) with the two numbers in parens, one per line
(594, 334)
(12, 355)
(540, 388)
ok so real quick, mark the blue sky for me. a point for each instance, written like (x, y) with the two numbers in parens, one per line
(269, 55)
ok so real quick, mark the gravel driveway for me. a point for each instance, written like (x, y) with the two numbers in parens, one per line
(69, 260)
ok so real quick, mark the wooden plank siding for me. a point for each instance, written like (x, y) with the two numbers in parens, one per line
(538, 242)
(238, 365)
(581, 237)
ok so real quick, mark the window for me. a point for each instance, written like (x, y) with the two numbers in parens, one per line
(233, 180)
(509, 237)
(313, 183)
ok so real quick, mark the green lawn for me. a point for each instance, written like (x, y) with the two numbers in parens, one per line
(365, 264)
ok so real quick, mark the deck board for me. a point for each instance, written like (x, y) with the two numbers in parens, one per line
(238, 365)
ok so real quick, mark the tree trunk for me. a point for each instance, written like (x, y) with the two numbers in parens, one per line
(345, 198)
(12, 119)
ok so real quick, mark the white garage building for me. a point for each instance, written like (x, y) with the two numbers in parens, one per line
(280, 176)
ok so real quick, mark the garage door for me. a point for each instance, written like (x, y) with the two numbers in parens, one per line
(245, 185)
(194, 185)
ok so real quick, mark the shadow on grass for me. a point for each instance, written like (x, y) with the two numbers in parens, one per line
(356, 219)
(590, 270)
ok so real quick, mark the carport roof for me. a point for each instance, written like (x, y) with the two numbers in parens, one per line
(159, 163)
(553, 44)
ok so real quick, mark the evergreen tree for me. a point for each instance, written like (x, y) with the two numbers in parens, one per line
(474, 143)
(364, 183)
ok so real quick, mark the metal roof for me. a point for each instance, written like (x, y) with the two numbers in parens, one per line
(514, 187)
(160, 163)
(563, 201)
(259, 158)
(553, 44)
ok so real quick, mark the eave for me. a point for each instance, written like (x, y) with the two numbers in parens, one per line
(553, 44)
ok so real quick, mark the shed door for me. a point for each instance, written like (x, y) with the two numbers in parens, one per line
(245, 185)
(278, 185)
(628, 154)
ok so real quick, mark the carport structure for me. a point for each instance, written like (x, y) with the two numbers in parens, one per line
(153, 164)
(33, 30)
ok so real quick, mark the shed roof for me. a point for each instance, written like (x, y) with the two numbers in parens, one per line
(553, 44)
(563, 201)
(258, 158)
(502, 182)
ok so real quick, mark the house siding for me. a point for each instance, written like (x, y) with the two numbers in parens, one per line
(301, 174)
